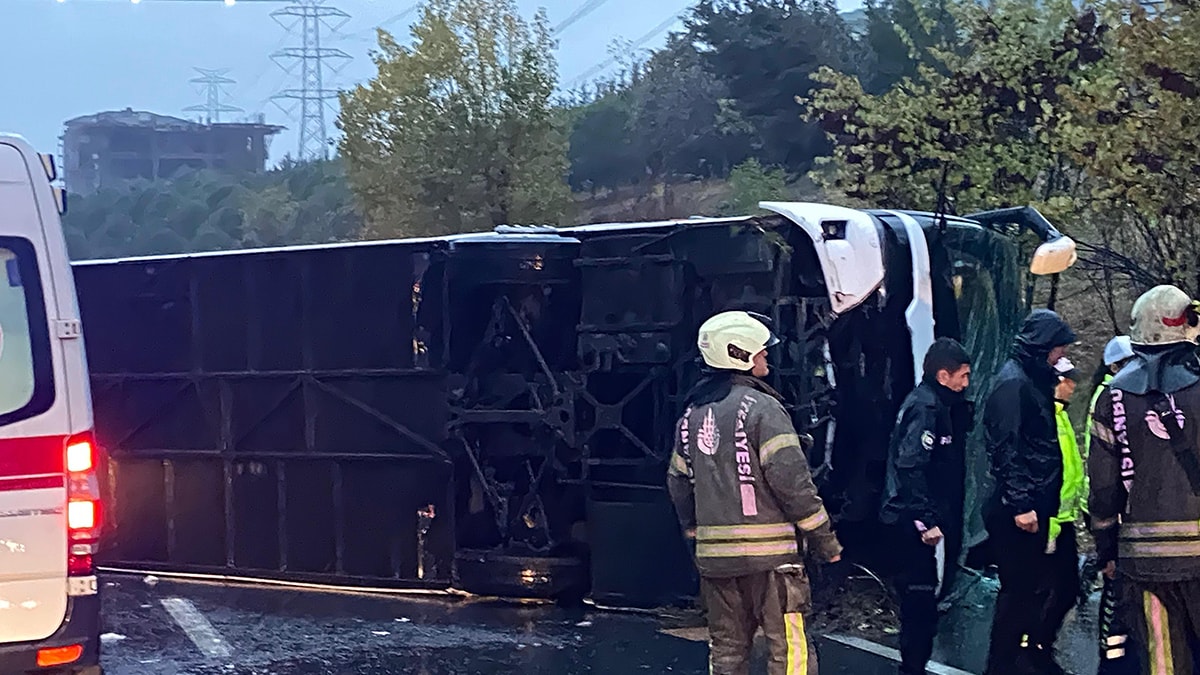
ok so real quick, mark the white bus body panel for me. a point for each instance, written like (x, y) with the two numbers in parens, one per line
(853, 266)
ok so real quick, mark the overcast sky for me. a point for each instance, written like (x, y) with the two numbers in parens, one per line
(65, 58)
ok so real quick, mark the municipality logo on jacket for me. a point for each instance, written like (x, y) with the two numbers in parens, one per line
(708, 438)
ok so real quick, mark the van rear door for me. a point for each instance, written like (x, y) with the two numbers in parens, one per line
(35, 416)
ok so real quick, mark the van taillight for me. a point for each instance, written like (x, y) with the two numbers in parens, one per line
(83, 503)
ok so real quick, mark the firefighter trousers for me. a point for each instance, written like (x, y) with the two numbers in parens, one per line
(1118, 649)
(1165, 617)
(776, 601)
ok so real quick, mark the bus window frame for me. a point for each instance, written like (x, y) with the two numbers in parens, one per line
(40, 344)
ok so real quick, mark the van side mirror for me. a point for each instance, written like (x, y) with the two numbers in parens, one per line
(1054, 256)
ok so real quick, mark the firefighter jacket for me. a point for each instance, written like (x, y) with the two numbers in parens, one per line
(739, 477)
(1087, 435)
(1018, 421)
(1145, 467)
(926, 469)
(1072, 492)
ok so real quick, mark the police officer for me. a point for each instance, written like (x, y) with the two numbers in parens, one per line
(923, 505)
(742, 488)
(1026, 461)
(1145, 481)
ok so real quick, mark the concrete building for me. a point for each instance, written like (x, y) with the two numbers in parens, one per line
(108, 148)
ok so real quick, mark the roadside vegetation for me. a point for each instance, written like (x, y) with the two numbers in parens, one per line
(1089, 112)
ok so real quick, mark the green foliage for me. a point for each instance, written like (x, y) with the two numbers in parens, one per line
(1089, 113)
(753, 183)
(602, 150)
(671, 119)
(1138, 135)
(983, 123)
(457, 132)
(716, 95)
(899, 35)
(208, 211)
(767, 52)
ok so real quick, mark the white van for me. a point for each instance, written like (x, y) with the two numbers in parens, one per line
(49, 495)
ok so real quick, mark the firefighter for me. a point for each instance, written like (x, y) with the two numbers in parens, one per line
(1145, 481)
(1117, 652)
(742, 489)
(923, 504)
(1062, 565)
(1026, 462)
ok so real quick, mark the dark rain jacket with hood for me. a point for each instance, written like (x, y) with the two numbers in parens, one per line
(1019, 426)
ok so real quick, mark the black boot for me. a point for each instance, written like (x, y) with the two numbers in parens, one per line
(1029, 662)
(1045, 663)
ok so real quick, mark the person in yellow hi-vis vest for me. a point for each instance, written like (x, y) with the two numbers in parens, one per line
(742, 489)
(1062, 569)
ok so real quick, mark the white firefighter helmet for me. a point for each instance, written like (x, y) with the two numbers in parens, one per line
(730, 340)
(1164, 315)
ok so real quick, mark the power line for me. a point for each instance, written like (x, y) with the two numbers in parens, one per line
(213, 83)
(366, 34)
(248, 89)
(580, 12)
(308, 102)
(603, 65)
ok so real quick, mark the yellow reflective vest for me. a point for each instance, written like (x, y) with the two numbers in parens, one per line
(1074, 485)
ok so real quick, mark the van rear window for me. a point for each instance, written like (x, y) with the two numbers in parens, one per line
(26, 371)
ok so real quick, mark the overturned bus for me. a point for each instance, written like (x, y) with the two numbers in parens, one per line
(493, 412)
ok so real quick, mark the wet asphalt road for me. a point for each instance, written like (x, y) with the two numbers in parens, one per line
(964, 632)
(170, 628)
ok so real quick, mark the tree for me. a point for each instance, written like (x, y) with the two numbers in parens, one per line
(753, 183)
(1089, 113)
(984, 123)
(683, 117)
(899, 35)
(209, 210)
(766, 52)
(1139, 137)
(458, 132)
(602, 151)
(670, 118)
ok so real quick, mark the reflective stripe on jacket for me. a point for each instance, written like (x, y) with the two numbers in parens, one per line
(739, 477)
(1151, 520)
(1087, 435)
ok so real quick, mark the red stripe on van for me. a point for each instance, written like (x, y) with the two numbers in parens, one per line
(35, 483)
(37, 456)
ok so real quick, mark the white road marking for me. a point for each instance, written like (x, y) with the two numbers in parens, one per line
(892, 654)
(201, 632)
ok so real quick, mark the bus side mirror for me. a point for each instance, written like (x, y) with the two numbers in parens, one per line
(1054, 256)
